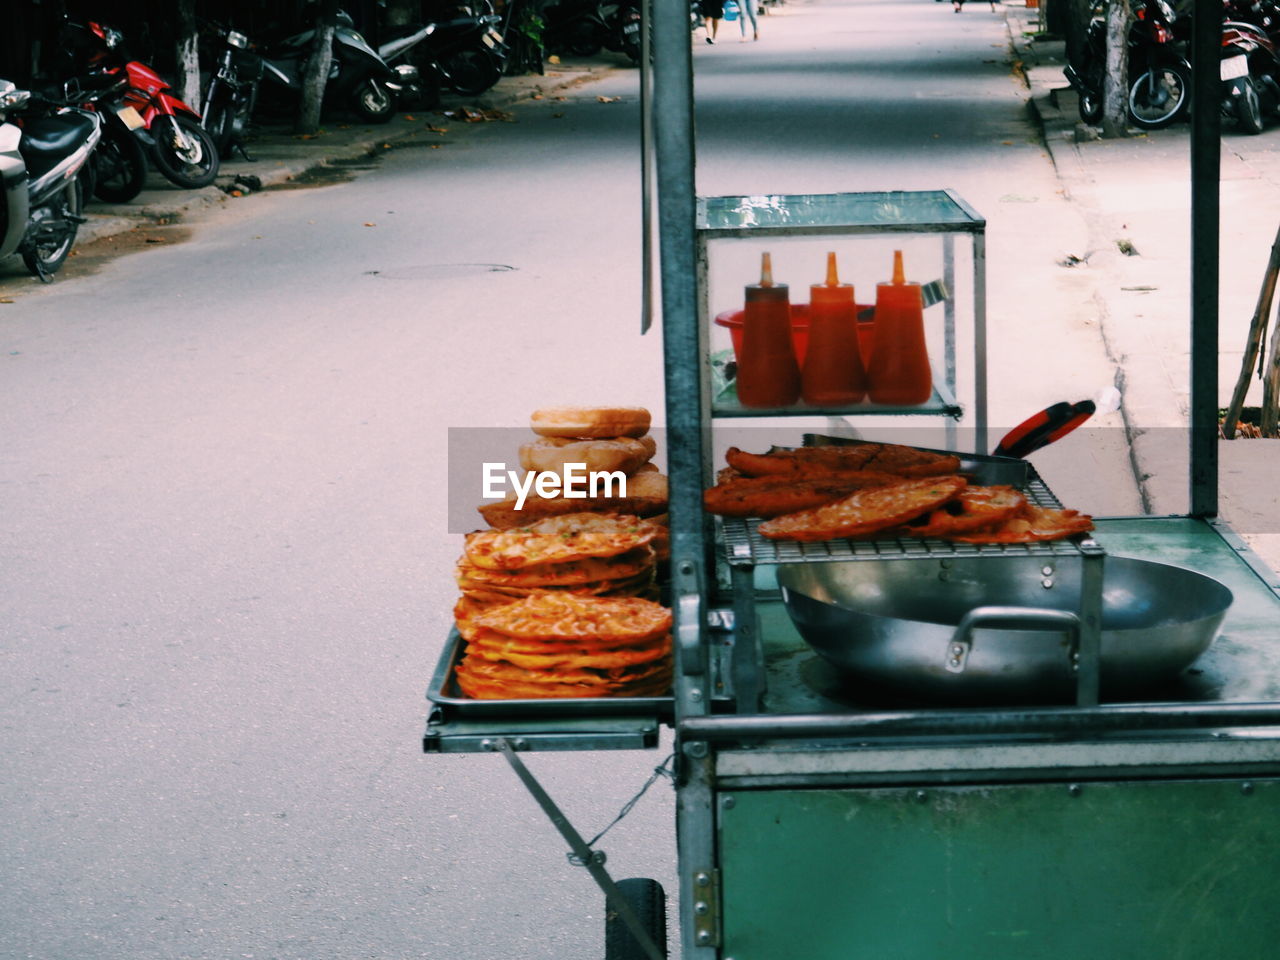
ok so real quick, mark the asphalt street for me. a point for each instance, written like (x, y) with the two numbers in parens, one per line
(226, 569)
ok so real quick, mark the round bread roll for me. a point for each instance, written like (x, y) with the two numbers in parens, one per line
(588, 423)
(550, 454)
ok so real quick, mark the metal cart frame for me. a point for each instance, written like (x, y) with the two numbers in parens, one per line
(763, 792)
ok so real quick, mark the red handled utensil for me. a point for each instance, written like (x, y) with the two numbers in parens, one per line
(1050, 424)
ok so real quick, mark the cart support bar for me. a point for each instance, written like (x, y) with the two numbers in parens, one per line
(583, 854)
(1046, 720)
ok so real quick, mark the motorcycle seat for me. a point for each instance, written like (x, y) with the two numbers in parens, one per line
(48, 140)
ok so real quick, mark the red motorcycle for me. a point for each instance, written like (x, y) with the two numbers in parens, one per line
(182, 149)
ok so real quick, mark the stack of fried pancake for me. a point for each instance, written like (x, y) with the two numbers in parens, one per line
(878, 490)
(574, 579)
(568, 645)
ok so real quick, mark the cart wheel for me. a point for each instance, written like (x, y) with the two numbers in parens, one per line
(648, 900)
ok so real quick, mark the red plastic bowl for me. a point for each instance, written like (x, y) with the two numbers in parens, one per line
(799, 329)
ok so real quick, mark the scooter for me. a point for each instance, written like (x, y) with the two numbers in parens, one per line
(44, 147)
(357, 73)
(1250, 73)
(1250, 67)
(179, 145)
(401, 49)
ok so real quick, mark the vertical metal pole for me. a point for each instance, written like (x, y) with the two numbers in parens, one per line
(949, 327)
(980, 342)
(684, 355)
(1206, 160)
(683, 341)
(646, 167)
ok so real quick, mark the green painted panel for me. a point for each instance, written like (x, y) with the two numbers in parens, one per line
(1116, 871)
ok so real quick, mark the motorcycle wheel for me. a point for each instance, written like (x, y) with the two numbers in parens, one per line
(579, 40)
(189, 166)
(1152, 110)
(45, 257)
(119, 166)
(226, 121)
(472, 72)
(1248, 107)
(373, 101)
(1090, 105)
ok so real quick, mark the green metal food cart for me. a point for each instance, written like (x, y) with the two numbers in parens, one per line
(821, 821)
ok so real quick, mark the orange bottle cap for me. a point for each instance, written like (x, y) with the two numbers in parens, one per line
(833, 291)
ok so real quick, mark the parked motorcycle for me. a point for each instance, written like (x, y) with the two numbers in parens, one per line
(574, 28)
(1250, 68)
(402, 48)
(117, 168)
(357, 74)
(44, 146)
(623, 19)
(232, 94)
(1162, 91)
(580, 28)
(467, 52)
(1158, 81)
(1249, 71)
(171, 130)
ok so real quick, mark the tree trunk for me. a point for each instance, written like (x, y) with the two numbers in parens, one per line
(188, 56)
(1115, 84)
(316, 74)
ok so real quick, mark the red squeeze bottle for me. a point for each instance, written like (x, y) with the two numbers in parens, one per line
(768, 375)
(833, 373)
(899, 374)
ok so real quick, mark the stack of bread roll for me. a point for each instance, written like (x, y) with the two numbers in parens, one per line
(602, 438)
(580, 568)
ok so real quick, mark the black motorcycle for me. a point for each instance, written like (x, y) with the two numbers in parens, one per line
(40, 166)
(357, 75)
(1159, 79)
(232, 93)
(117, 169)
(467, 52)
(574, 28)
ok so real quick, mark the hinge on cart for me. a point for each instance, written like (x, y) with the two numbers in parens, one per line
(705, 891)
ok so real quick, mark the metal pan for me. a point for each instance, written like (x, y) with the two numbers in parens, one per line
(1000, 630)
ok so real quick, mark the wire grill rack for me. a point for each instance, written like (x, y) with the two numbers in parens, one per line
(744, 546)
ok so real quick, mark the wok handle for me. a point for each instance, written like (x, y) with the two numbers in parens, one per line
(961, 642)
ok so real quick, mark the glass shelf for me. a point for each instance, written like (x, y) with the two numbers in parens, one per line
(939, 404)
(919, 211)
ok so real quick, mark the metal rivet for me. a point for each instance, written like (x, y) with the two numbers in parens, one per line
(703, 937)
(686, 567)
(520, 743)
(1246, 788)
(486, 744)
(1046, 583)
(1047, 571)
(701, 878)
(921, 796)
(695, 695)
(729, 803)
(1074, 790)
(696, 749)
(700, 908)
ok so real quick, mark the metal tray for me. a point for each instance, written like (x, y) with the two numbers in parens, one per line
(443, 691)
(744, 546)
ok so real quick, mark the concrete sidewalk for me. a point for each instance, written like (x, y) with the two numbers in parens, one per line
(1134, 194)
(280, 156)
